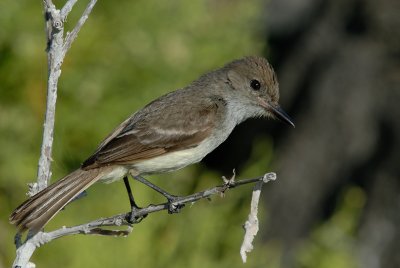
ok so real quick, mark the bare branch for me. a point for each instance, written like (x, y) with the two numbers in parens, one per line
(95, 227)
(54, 32)
(67, 8)
(56, 50)
(24, 253)
(48, 5)
(251, 225)
(71, 36)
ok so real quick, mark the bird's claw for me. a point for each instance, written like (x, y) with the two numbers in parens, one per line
(132, 217)
(230, 181)
(173, 206)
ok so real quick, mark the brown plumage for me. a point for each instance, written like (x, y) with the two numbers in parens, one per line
(35, 212)
(149, 133)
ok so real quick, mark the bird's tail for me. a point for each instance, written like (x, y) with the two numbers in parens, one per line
(35, 212)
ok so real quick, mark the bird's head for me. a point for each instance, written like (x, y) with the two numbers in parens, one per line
(253, 82)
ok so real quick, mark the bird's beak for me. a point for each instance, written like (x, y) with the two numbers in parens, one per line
(277, 111)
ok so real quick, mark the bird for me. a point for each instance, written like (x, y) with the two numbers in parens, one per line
(171, 132)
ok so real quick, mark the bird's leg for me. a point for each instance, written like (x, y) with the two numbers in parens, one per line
(155, 187)
(128, 189)
(134, 207)
(172, 207)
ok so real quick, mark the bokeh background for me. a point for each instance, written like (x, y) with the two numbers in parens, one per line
(336, 202)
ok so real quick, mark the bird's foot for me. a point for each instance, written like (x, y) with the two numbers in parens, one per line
(228, 183)
(173, 204)
(133, 217)
(231, 180)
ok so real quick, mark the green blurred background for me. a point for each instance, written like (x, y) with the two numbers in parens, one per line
(130, 52)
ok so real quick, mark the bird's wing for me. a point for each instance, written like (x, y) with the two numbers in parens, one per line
(157, 130)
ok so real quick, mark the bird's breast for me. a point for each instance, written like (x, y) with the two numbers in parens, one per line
(182, 158)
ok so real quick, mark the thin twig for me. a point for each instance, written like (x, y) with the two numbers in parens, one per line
(251, 225)
(72, 35)
(67, 8)
(48, 5)
(95, 227)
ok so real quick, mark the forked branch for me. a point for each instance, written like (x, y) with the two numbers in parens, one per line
(57, 48)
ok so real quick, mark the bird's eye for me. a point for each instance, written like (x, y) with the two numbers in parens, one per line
(255, 84)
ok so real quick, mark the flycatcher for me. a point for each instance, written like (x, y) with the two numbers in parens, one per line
(171, 132)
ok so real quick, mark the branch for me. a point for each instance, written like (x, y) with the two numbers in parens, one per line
(71, 36)
(54, 32)
(95, 227)
(67, 9)
(251, 225)
(56, 49)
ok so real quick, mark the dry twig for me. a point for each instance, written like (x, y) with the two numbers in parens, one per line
(251, 225)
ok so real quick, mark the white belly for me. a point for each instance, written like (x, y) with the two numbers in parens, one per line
(116, 173)
(175, 160)
(165, 163)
